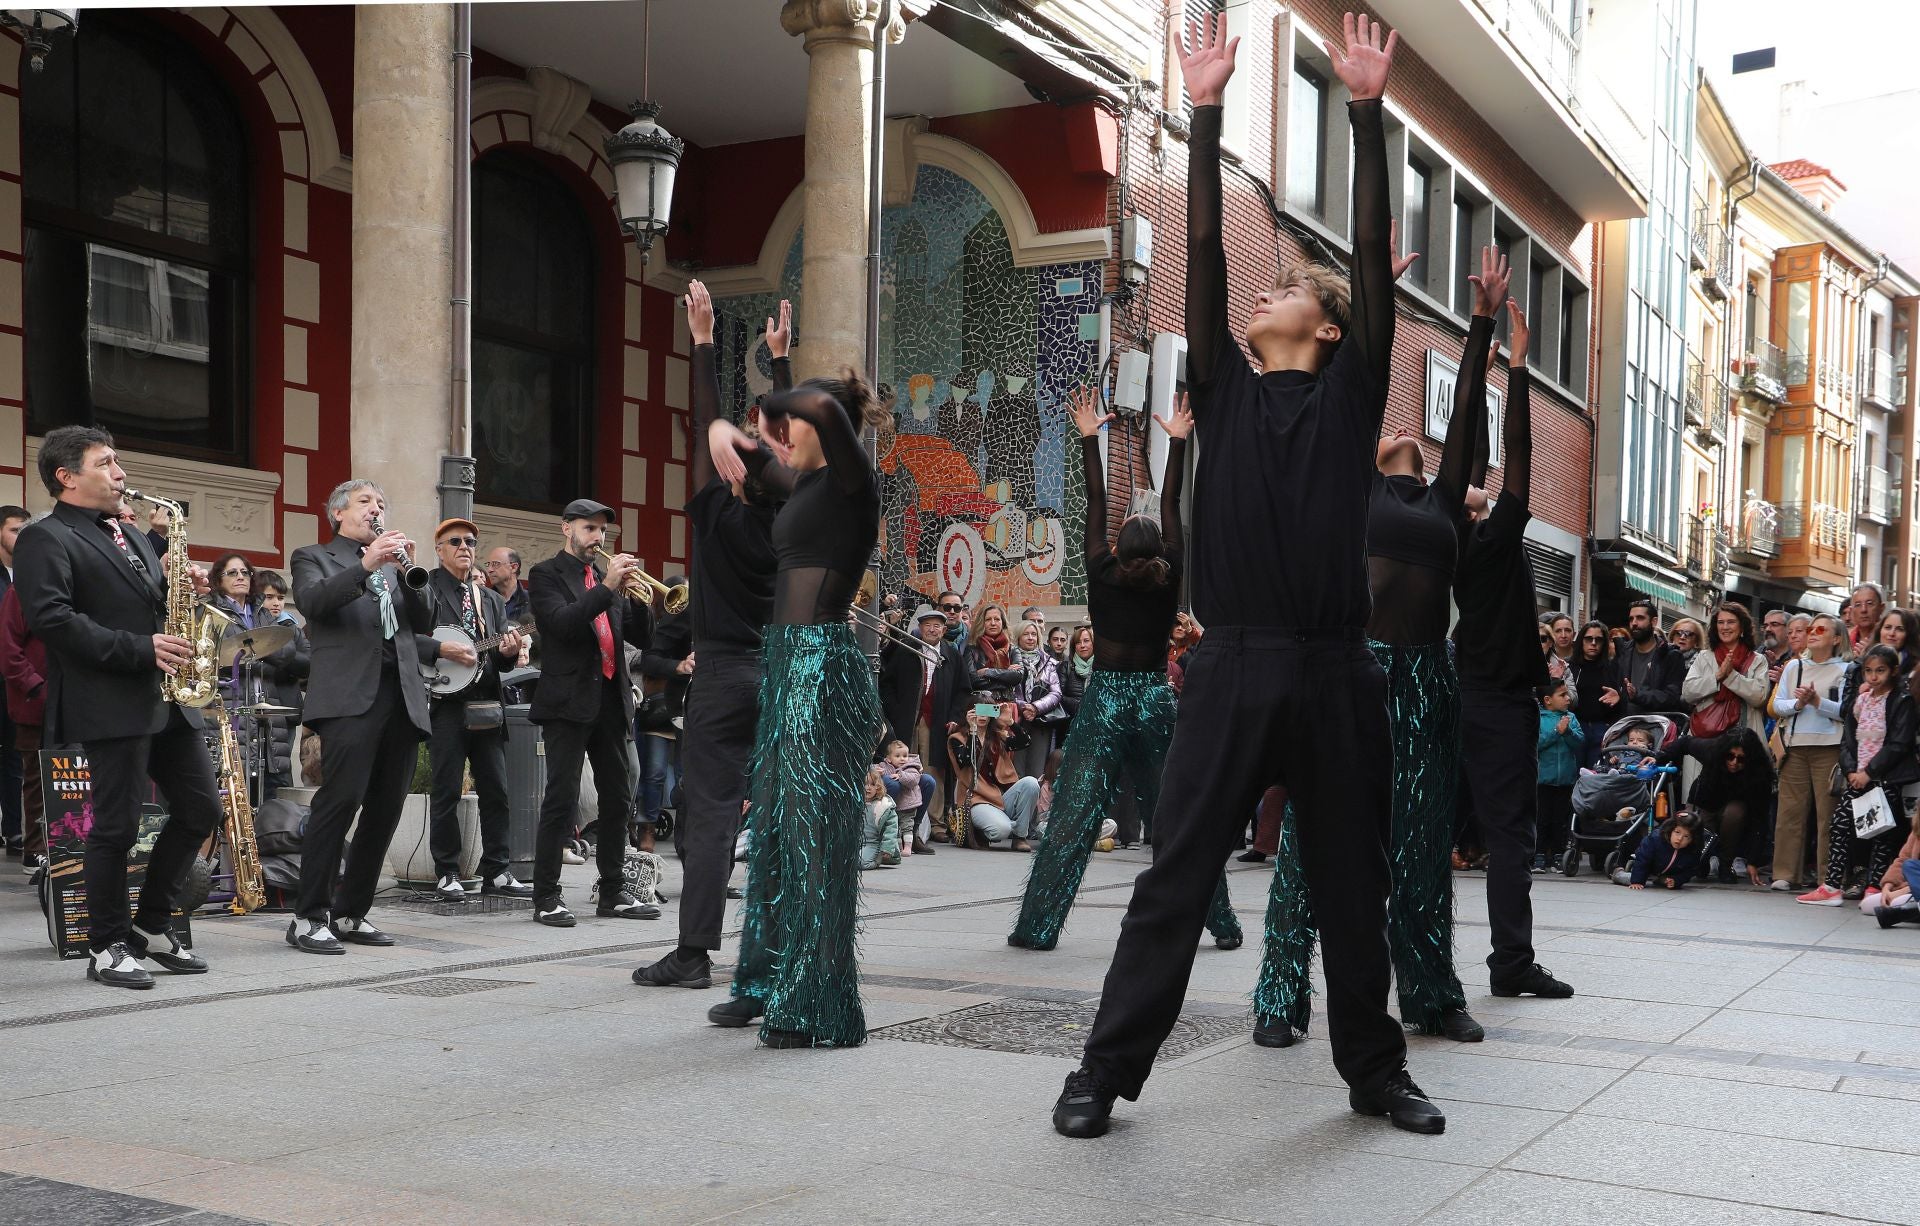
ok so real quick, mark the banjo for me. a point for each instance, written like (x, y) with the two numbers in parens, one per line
(445, 677)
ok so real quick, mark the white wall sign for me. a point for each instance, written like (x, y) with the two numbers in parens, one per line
(1442, 372)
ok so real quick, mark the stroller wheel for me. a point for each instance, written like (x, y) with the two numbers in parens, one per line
(1612, 863)
(1570, 862)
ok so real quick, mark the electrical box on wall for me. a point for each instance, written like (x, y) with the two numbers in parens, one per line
(1130, 382)
(1169, 379)
(1136, 248)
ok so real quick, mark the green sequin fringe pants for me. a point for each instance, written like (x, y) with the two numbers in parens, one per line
(1423, 696)
(1121, 733)
(818, 714)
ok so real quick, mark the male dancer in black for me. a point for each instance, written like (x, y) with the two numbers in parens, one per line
(97, 597)
(731, 602)
(1283, 687)
(1499, 670)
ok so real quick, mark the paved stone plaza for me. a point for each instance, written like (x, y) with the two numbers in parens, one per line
(1731, 1056)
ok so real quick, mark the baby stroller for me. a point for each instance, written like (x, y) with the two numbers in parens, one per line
(1614, 810)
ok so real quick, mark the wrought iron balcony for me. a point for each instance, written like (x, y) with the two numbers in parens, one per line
(1699, 561)
(1879, 382)
(1712, 253)
(1878, 503)
(1765, 373)
(1696, 408)
(1759, 530)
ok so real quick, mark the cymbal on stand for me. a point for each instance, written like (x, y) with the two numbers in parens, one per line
(258, 642)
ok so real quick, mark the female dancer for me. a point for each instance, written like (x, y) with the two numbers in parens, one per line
(818, 712)
(1413, 541)
(1125, 720)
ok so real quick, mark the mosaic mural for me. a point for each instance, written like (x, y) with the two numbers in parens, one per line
(978, 356)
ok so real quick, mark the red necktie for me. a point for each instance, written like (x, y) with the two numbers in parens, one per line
(602, 630)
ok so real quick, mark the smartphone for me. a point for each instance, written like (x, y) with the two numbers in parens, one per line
(986, 710)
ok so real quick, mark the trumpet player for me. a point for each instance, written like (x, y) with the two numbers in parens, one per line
(96, 595)
(367, 702)
(584, 705)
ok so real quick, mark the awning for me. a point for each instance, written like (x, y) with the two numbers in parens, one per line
(1780, 594)
(1649, 583)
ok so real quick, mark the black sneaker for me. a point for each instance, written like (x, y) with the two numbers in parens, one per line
(116, 967)
(165, 948)
(1887, 917)
(1458, 1025)
(1085, 1106)
(622, 905)
(1401, 1101)
(33, 864)
(553, 913)
(740, 1011)
(675, 971)
(1273, 1032)
(1536, 980)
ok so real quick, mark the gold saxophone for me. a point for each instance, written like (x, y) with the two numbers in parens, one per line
(197, 682)
(243, 853)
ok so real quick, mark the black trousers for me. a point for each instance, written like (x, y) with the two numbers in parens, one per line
(11, 778)
(1552, 819)
(1500, 751)
(607, 742)
(1260, 707)
(176, 760)
(450, 749)
(722, 713)
(366, 764)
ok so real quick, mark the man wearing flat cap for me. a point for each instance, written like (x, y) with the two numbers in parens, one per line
(469, 722)
(584, 706)
(922, 701)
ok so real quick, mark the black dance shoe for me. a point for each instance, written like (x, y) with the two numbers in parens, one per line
(740, 1011)
(1230, 942)
(360, 932)
(165, 948)
(1401, 1101)
(1085, 1106)
(676, 971)
(622, 905)
(116, 967)
(1536, 980)
(785, 1040)
(1458, 1025)
(1273, 1032)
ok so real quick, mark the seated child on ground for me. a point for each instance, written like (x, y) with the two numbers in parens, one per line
(1667, 857)
(880, 833)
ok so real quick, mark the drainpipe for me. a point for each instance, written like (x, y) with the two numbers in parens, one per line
(876, 151)
(457, 466)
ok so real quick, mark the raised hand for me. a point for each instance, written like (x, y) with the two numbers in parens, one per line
(1180, 424)
(1209, 65)
(1363, 63)
(1490, 283)
(1400, 263)
(1087, 417)
(1517, 338)
(780, 333)
(699, 305)
(727, 444)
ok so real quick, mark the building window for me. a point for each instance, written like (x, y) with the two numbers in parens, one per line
(532, 336)
(136, 240)
(1799, 331)
(1573, 314)
(1466, 261)
(1306, 140)
(1537, 314)
(1414, 237)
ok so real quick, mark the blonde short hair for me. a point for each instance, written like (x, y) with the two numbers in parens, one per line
(1329, 285)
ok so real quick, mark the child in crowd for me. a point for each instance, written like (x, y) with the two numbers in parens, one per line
(911, 788)
(1638, 751)
(1666, 857)
(1562, 743)
(880, 840)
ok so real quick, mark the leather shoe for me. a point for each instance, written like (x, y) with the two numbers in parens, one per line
(1085, 1106)
(1887, 917)
(674, 971)
(360, 932)
(165, 948)
(1232, 942)
(1401, 1101)
(740, 1011)
(314, 937)
(1273, 1032)
(1536, 980)
(1458, 1025)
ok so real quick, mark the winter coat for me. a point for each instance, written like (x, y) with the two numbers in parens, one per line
(1895, 763)
(1560, 753)
(1656, 858)
(1750, 685)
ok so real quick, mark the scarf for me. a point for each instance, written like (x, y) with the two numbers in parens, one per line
(994, 648)
(1742, 657)
(1082, 665)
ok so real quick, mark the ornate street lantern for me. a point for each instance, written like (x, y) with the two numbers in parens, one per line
(645, 158)
(34, 25)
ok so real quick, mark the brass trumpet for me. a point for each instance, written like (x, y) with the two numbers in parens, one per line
(642, 586)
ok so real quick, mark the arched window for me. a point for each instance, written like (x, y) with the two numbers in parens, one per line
(136, 245)
(532, 336)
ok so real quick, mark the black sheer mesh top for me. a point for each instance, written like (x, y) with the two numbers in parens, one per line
(1413, 545)
(1131, 625)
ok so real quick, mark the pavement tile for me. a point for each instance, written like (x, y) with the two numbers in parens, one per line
(1781, 1034)
(1506, 1197)
(34, 1201)
(1757, 1110)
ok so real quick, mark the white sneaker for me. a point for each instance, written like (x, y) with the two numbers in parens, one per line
(449, 889)
(1108, 829)
(569, 856)
(1781, 885)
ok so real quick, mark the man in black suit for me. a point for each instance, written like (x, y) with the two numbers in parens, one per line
(924, 702)
(584, 706)
(12, 519)
(462, 601)
(97, 597)
(368, 704)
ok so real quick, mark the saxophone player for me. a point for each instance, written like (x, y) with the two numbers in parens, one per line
(366, 700)
(95, 593)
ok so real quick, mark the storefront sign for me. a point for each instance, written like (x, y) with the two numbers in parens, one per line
(67, 784)
(1442, 372)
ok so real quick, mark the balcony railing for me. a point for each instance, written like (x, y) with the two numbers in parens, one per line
(1758, 532)
(1880, 377)
(1712, 252)
(1696, 407)
(1706, 400)
(1699, 561)
(1535, 29)
(1878, 504)
(1764, 372)
(1819, 523)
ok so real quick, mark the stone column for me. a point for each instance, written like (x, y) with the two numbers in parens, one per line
(402, 351)
(833, 269)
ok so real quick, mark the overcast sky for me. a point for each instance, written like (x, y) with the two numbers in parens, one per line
(1845, 48)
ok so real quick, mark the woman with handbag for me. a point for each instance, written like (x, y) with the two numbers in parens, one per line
(1038, 699)
(1807, 703)
(1877, 761)
(989, 654)
(1727, 687)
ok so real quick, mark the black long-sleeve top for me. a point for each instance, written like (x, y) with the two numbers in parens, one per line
(1131, 624)
(1494, 643)
(731, 592)
(824, 535)
(1282, 486)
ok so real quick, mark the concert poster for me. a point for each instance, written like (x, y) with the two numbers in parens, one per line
(67, 786)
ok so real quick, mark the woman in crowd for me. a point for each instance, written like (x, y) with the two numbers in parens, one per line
(283, 673)
(1731, 797)
(1075, 674)
(1037, 698)
(1807, 704)
(989, 654)
(1900, 630)
(233, 589)
(1057, 645)
(1125, 721)
(1561, 649)
(1687, 637)
(818, 712)
(1876, 751)
(1590, 681)
(1727, 686)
